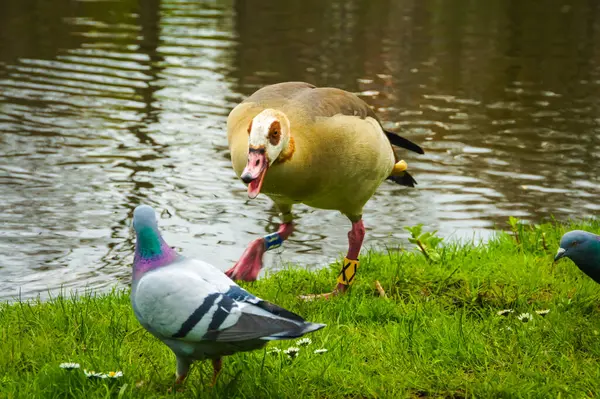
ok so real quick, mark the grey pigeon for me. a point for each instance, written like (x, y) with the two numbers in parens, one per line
(583, 248)
(195, 309)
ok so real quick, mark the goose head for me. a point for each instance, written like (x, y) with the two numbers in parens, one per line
(268, 141)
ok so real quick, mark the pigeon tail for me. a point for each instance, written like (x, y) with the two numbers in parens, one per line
(296, 333)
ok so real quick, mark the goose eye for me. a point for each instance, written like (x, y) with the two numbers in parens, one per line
(274, 133)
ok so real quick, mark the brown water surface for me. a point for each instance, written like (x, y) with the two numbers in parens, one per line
(108, 104)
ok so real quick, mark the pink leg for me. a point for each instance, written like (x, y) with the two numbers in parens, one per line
(217, 365)
(355, 239)
(183, 366)
(286, 230)
(249, 265)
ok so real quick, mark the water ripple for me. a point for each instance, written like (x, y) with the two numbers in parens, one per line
(126, 102)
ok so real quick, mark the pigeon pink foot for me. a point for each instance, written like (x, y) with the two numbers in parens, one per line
(217, 366)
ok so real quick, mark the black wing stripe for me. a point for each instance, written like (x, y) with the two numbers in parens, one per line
(402, 142)
(221, 314)
(196, 316)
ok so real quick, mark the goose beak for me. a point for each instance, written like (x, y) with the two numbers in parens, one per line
(254, 172)
(559, 254)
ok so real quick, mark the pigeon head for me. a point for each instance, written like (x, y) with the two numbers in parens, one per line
(581, 247)
(144, 216)
(151, 251)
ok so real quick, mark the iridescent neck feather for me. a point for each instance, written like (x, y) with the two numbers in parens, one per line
(151, 252)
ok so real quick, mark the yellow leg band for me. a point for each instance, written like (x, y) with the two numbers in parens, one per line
(348, 271)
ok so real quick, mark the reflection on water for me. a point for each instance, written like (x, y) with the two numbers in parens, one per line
(107, 104)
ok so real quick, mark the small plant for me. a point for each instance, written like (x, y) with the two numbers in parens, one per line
(427, 242)
(541, 236)
(529, 237)
(516, 226)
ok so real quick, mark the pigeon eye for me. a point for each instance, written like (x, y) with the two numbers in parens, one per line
(575, 243)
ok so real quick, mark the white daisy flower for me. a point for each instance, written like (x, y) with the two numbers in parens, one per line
(504, 312)
(320, 351)
(543, 312)
(69, 366)
(114, 374)
(524, 317)
(274, 351)
(304, 342)
(92, 374)
(292, 351)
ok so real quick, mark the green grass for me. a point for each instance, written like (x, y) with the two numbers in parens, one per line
(436, 334)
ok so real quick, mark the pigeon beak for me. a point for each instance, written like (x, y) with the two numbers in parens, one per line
(559, 254)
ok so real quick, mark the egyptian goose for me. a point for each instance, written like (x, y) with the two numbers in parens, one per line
(323, 147)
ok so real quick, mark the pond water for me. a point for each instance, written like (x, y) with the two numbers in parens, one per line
(108, 104)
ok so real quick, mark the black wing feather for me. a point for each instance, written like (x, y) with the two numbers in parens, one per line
(400, 141)
(405, 180)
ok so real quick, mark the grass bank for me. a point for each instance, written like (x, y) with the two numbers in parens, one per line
(436, 334)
